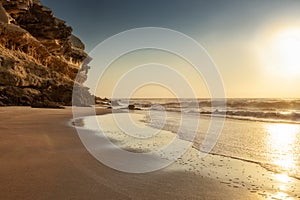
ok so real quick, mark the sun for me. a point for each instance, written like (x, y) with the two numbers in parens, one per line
(288, 47)
(281, 52)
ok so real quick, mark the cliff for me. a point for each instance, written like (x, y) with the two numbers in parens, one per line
(39, 57)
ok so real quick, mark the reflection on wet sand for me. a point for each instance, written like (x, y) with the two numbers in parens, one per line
(281, 141)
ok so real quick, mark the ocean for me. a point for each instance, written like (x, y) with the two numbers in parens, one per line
(267, 110)
(261, 131)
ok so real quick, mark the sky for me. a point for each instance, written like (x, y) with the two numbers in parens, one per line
(254, 44)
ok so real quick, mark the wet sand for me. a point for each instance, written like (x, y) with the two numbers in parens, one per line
(234, 173)
(42, 157)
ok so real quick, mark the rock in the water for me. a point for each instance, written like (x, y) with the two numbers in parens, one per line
(39, 57)
(131, 107)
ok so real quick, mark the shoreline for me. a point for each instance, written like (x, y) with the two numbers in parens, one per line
(248, 177)
(43, 158)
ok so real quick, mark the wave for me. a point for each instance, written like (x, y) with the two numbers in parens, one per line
(266, 110)
(172, 127)
(230, 103)
(265, 103)
(267, 166)
(265, 116)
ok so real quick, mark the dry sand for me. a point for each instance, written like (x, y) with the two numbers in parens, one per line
(42, 157)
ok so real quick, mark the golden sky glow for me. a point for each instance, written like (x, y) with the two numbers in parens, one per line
(126, 63)
(267, 64)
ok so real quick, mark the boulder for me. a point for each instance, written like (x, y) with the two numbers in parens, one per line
(131, 107)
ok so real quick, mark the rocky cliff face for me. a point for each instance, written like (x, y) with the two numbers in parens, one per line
(39, 57)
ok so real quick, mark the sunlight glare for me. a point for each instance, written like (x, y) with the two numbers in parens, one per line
(288, 46)
(281, 141)
(283, 178)
(280, 195)
(281, 52)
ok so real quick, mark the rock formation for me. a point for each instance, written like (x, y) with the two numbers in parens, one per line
(39, 57)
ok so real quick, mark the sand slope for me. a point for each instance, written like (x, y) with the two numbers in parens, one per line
(42, 158)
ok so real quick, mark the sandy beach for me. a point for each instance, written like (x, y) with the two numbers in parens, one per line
(42, 157)
(149, 100)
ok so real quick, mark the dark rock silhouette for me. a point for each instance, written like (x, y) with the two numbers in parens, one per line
(131, 107)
